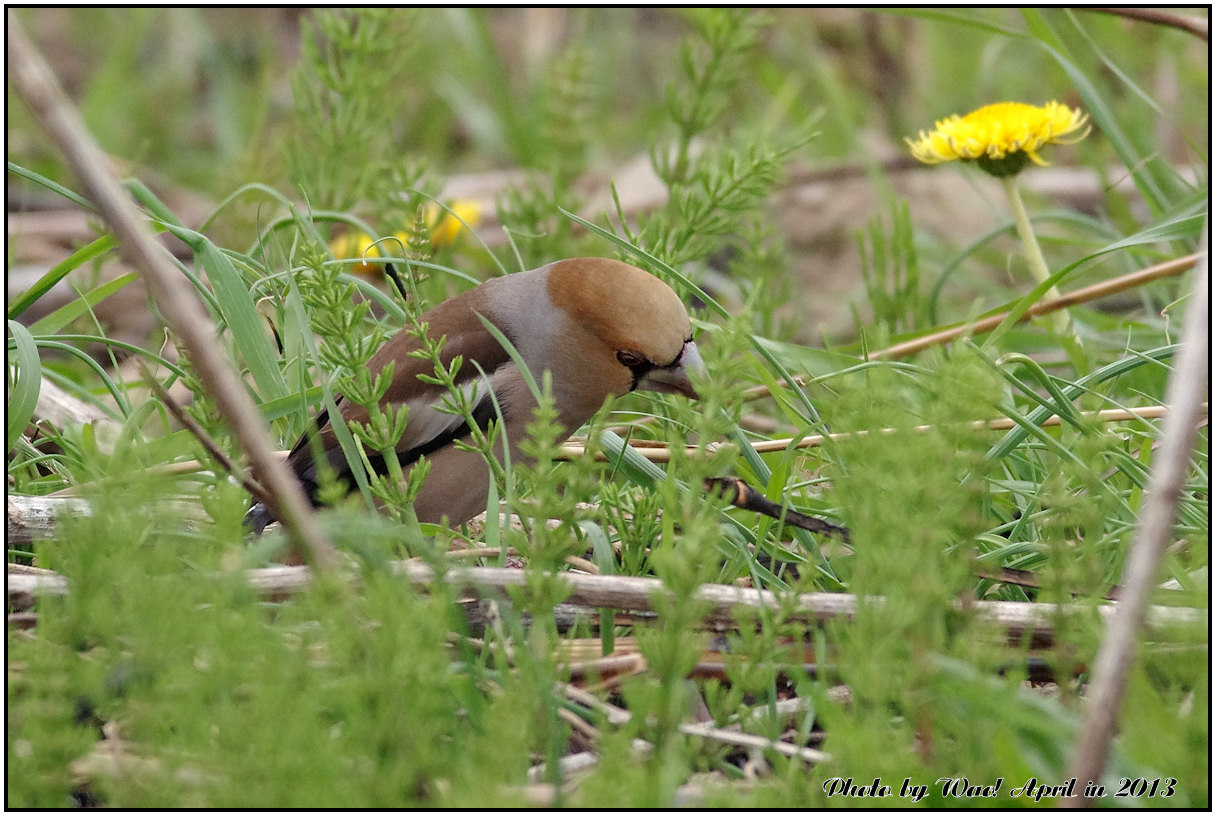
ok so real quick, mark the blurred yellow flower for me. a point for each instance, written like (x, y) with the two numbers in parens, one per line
(445, 226)
(1002, 138)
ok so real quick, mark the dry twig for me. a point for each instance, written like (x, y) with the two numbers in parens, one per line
(745, 497)
(1184, 394)
(1184, 22)
(724, 604)
(247, 481)
(37, 86)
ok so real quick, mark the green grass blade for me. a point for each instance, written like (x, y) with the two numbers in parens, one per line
(54, 187)
(627, 461)
(237, 310)
(112, 387)
(25, 381)
(1039, 415)
(90, 251)
(1095, 104)
(65, 314)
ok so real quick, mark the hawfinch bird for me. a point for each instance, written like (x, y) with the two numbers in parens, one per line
(600, 327)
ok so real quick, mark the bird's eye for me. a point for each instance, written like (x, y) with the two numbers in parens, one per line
(632, 359)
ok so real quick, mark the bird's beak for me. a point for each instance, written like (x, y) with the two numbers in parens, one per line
(674, 379)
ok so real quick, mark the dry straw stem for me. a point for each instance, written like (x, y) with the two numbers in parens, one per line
(1184, 393)
(658, 452)
(661, 452)
(31, 517)
(37, 86)
(1083, 295)
(987, 324)
(689, 795)
(728, 736)
(723, 603)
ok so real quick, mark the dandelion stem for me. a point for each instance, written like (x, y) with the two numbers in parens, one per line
(1061, 320)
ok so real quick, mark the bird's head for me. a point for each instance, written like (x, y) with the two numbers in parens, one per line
(637, 329)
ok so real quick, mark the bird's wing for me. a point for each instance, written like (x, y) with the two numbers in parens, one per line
(430, 425)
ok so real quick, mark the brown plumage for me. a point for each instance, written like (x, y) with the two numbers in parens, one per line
(600, 327)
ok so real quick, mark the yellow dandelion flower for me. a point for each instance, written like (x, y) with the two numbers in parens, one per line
(1001, 138)
(365, 248)
(445, 226)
